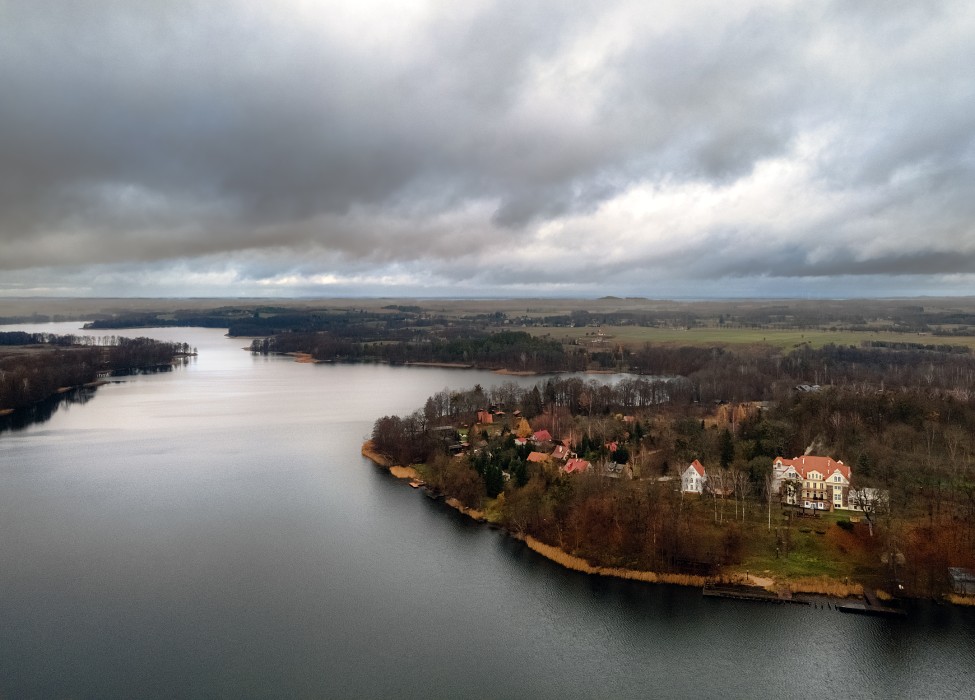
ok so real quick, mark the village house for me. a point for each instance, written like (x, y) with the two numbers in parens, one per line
(562, 452)
(542, 436)
(693, 478)
(817, 483)
(576, 465)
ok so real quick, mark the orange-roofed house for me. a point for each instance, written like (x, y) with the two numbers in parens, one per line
(576, 465)
(542, 436)
(819, 483)
(693, 478)
(485, 417)
(537, 457)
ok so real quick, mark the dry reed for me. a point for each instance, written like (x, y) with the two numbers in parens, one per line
(369, 452)
(569, 561)
(823, 585)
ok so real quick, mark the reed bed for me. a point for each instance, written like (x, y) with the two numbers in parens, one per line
(369, 452)
(569, 561)
(823, 585)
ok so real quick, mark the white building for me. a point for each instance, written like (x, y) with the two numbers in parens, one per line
(693, 478)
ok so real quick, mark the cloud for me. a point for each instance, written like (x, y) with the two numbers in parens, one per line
(492, 146)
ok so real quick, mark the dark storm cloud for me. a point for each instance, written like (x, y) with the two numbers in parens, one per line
(441, 142)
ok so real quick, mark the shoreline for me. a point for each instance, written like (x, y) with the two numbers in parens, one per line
(818, 586)
(550, 552)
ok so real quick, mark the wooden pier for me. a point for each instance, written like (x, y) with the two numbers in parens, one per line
(737, 591)
(871, 605)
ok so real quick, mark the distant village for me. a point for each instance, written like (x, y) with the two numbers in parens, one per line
(810, 482)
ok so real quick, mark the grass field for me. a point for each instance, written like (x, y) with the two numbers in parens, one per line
(634, 336)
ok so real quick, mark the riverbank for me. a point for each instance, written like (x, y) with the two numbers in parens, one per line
(817, 586)
(552, 552)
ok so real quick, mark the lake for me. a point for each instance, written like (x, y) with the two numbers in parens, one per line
(214, 532)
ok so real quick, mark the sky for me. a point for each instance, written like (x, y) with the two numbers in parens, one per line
(666, 149)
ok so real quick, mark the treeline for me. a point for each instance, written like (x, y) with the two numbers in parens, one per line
(913, 442)
(355, 324)
(507, 349)
(55, 362)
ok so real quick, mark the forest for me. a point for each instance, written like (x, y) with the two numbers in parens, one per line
(35, 366)
(902, 418)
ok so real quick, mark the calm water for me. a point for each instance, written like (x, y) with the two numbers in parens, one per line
(214, 532)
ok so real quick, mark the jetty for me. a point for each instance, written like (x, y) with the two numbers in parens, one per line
(871, 605)
(739, 591)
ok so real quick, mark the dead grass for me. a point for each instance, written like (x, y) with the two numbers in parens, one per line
(961, 599)
(302, 357)
(369, 452)
(823, 585)
(569, 561)
(471, 512)
(404, 472)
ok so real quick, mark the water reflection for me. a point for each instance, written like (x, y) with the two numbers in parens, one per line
(45, 410)
(215, 532)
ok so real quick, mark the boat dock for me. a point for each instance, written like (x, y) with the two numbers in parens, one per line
(737, 591)
(871, 605)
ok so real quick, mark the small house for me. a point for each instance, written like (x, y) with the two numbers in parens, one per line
(693, 478)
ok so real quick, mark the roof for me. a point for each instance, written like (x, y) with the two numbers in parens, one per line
(809, 463)
(576, 465)
(960, 574)
(542, 436)
(561, 452)
(698, 467)
(537, 457)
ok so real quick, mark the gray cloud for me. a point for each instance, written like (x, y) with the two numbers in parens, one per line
(495, 145)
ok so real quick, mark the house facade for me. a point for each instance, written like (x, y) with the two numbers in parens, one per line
(818, 483)
(692, 479)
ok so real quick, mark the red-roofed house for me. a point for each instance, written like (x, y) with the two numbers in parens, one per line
(542, 436)
(820, 483)
(576, 465)
(693, 478)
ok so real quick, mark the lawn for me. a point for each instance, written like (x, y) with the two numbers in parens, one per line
(635, 336)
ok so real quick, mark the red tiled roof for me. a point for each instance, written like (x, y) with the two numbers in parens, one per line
(576, 465)
(542, 436)
(824, 465)
(698, 467)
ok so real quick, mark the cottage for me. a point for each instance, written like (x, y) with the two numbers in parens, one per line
(538, 457)
(693, 478)
(542, 436)
(576, 465)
